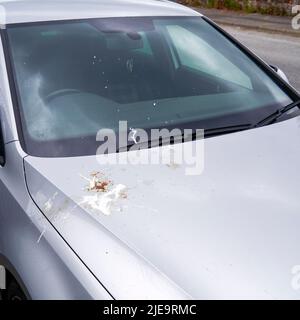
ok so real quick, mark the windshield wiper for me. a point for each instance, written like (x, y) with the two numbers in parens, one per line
(210, 132)
(274, 116)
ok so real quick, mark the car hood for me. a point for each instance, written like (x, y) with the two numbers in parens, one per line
(230, 233)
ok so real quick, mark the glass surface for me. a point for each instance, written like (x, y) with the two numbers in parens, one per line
(74, 78)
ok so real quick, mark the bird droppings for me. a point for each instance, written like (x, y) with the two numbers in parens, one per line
(106, 202)
(41, 236)
(132, 135)
(58, 211)
(55, 210)
(97, 182)
(173, 165)
(106, 198)
(49, 203)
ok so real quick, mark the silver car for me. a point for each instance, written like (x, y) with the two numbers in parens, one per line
(75, 227)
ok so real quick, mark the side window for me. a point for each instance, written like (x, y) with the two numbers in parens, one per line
(195, 53)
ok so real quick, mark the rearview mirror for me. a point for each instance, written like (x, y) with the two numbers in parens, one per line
(280, 73)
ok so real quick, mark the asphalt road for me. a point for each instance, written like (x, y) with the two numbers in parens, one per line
(280, 50)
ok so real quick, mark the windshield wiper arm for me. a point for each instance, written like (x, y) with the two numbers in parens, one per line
(274, 116)
(225, 130)
(210, 132)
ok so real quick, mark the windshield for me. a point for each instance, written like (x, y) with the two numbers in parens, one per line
(74, 78)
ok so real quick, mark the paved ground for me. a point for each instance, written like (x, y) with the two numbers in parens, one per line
(278, 49)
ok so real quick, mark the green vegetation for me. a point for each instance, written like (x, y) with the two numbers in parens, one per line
(239, 5)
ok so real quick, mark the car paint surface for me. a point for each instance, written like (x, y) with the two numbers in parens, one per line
(231, 232)
(51, 10)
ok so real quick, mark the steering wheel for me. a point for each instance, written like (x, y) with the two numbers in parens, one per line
(58, 93)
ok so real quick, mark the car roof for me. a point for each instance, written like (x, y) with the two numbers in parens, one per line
(23, 11)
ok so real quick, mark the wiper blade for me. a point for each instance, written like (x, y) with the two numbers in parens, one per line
(225, 130)
(274, 116)
(210, 132)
